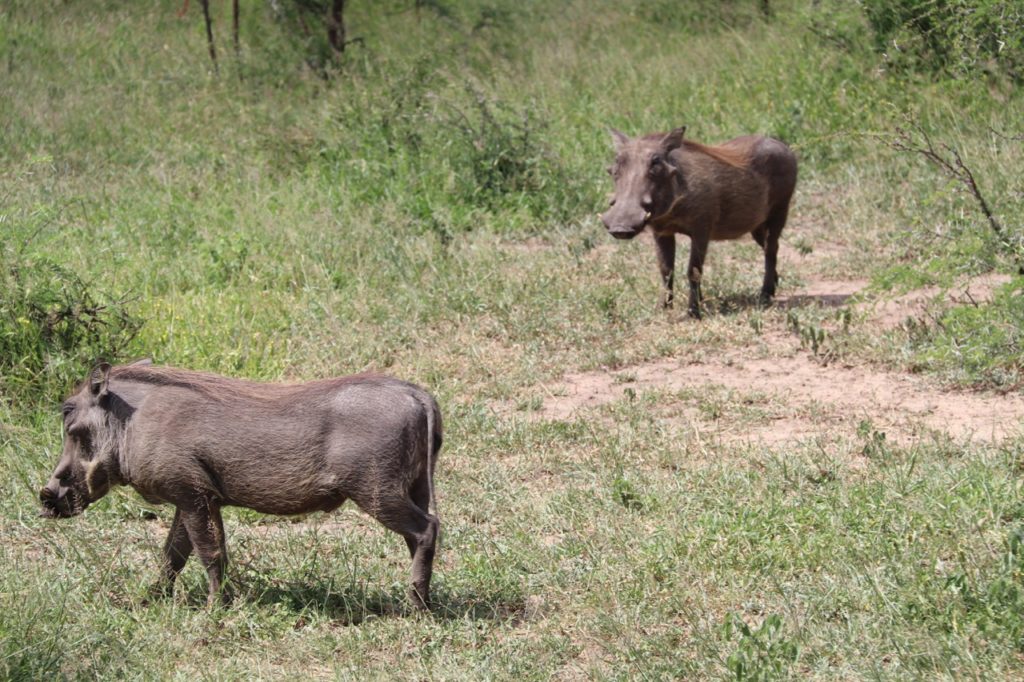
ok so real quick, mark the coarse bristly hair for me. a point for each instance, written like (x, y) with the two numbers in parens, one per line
(108, 451)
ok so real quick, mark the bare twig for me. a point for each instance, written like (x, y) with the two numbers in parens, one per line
(949, 161)
(953, 166)
(1004, 136)
(209, 34)
(234, 25)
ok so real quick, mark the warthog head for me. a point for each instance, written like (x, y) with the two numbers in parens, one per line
(88, 465)
(644, 181)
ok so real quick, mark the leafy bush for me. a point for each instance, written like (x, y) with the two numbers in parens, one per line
(959, 36)
(701, 16)
(458, 149)
(53, 324)
(500, 150)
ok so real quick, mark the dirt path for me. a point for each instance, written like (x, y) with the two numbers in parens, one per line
(794, 395)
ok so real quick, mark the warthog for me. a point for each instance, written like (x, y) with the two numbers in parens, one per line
(202, 442)
(672, 185)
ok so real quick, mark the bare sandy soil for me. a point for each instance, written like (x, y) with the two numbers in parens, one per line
(796, 395)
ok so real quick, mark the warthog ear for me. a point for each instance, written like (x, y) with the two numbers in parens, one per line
(673, 140)
(618, 138)
(98, 379)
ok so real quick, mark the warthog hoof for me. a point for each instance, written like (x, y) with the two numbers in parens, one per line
(420, 597)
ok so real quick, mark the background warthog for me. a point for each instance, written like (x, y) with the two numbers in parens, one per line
(674, 186)
(202, 442)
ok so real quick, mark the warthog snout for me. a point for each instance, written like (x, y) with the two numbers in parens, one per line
(623, 224)
(57, 502)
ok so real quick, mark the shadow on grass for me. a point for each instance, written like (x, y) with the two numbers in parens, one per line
(351, 604)
(731, 304)
(819, 300)
(734, 303)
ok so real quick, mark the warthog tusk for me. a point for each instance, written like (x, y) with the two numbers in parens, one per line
(647, 216)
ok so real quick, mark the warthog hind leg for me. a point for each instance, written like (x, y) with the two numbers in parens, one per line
(420, 530)
(772, 231)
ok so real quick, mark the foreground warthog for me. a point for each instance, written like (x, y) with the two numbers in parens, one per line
(202, 442)
(672, 185)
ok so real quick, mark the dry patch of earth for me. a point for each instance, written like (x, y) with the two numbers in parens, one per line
(801, 397)
(795, 395)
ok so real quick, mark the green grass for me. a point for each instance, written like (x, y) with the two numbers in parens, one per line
(425, 206)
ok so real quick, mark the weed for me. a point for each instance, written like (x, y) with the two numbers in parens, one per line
(811, 334)
(762, 653)
(626, 493)
(875, 445)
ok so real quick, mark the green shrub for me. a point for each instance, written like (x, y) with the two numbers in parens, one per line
(975, 344)
(53, 324)
(958, 36)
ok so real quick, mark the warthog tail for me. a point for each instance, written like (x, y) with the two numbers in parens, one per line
(432, 505)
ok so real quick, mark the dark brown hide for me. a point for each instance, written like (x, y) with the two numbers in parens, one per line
(202, 442)
(675, 186)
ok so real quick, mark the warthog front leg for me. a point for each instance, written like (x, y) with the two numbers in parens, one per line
(694, 272)
(206, 531)
(666, 246)
(177, 549)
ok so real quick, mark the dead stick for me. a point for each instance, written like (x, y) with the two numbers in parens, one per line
(209, 34)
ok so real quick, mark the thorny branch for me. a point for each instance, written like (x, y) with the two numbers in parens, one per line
(1004, 136)
(916, 141)
(906, 141)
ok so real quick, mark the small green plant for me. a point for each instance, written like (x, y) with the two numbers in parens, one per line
(626, 494)
(229, 255)
(875, 445)
(761, 653)
(757, 322)
(811, 334)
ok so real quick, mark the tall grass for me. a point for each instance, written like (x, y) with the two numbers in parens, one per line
(425, 205)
